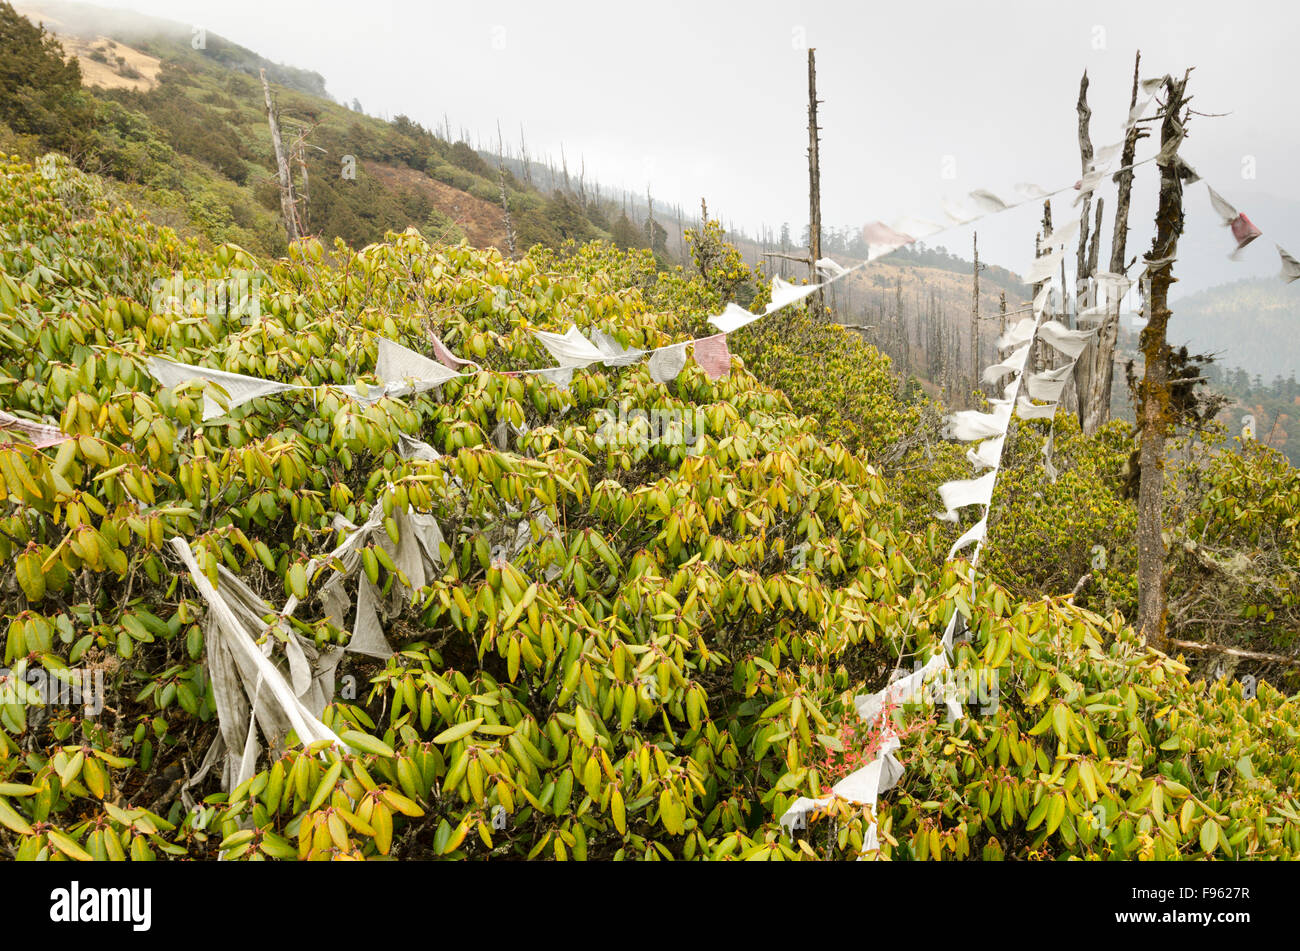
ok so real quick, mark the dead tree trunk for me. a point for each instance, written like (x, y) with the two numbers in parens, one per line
(288, 207)
(1153, 414)
(1101, 356)
(814, 180)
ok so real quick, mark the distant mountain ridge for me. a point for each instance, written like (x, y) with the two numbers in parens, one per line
(1253, 324)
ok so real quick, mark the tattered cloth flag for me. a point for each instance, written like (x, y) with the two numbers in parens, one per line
(446, 357)
(404, 371)
(973, 536)
(1044, 268)
(1022, 331)
(829, 269)
(712, 355)
(784, 293)
(1049, 384)
(1013, 363)
(881, 239)
(1061, 234)
(239, 388)
(42, 436)
(1027, 410)
(245, 682)
(571, 348)
(1243, 229)
(988, 202)
(616, 355)
(968, 425)
(416, 554)
(666, 364)
(862, 787)
(733, 318)
(988, 454)
(560, 376)
(1290, 266)
(906, 689)
(962, 492)
(1069, 342)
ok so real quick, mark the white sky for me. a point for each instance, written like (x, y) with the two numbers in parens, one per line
(710, 98)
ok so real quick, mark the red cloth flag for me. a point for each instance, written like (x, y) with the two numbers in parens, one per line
(1244, 230)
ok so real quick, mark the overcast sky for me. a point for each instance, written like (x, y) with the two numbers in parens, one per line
(701, 98)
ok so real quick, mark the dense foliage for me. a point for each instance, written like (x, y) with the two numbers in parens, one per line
(656, 677)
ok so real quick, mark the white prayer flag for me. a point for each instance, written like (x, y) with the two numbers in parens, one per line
(1027, 410)
(240, 388)
(1290, 266)
(616, 355)
(570, 349)
(405, 371)
(962, 492)
(733, 318)
(784, 293)
(666, 364)
(1069, 342)
(1049, 384)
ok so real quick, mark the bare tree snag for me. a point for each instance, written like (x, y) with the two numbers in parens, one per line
(288, 206)
(1153, 393)
(814, 179)
(1102, 354)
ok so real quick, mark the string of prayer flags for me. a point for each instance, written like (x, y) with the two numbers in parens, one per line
(238, 388)
(712, 355)
(1243, 229)
(571, 348)
(1290, 266)
(665, 364)
(41, 435)
(733, 318)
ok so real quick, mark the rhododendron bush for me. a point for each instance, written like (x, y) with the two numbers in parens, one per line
(654, 667)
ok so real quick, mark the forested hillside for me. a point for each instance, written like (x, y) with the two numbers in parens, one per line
(609, 613)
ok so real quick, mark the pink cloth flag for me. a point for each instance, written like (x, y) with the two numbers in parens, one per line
(41, 435)
(1244, 230)
(712, 355)
(879, 233)
(446, 357)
